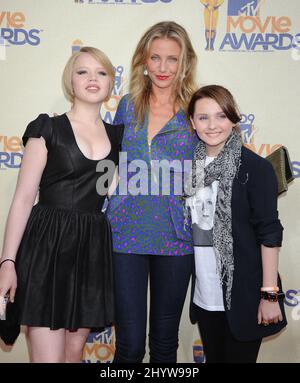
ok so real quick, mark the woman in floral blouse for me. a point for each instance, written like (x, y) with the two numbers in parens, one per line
(146, 212)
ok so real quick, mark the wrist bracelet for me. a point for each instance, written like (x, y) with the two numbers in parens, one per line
(271, 296)
(6, 260)
(274, 288)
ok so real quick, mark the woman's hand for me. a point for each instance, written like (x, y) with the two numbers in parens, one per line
(8, 280)
(268, 312)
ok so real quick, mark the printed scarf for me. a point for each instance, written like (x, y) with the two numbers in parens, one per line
(223, 169)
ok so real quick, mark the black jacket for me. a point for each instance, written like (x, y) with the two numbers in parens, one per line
(254, 223)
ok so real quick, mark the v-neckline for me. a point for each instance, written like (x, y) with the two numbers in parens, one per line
(161, 130)
(77, 146)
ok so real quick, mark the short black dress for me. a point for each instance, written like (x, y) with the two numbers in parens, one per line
(64, 262)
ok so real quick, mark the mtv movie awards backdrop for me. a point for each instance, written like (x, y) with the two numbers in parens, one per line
(250, 46)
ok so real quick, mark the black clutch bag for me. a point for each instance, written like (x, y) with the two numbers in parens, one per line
(281, 163)
(10, 328)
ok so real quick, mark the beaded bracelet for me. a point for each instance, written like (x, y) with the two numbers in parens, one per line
(274, 288)
(6, 260)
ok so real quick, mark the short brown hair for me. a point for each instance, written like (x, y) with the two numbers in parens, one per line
(68, 71)
(222, 96)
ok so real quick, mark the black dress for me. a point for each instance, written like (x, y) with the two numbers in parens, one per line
(64, 262)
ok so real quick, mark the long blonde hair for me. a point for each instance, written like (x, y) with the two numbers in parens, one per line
(140, 85)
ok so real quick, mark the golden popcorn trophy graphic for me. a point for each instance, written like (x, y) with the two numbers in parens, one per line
(211, 14)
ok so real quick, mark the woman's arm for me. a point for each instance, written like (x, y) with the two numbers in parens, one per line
(269, 312)
(262, 195)
(33, 164)
(270, 265)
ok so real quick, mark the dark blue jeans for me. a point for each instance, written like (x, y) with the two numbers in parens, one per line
(169, 279)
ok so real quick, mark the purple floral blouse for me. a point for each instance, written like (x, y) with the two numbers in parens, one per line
(152, 223)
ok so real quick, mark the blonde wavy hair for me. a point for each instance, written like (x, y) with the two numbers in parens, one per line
(68, 71)
(140, 85)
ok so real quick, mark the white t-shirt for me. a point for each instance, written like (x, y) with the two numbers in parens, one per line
(208, 292)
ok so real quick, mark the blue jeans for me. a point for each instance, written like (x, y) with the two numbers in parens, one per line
(169, 279)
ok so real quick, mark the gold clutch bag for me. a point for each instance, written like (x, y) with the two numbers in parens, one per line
(281, 163)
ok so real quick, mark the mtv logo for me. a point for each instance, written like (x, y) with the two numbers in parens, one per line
(76, 45)
(76, 48)
(92, 337)
(243, 7)
(198, 353)
(118, 80)
(101, 337)
(247, 132)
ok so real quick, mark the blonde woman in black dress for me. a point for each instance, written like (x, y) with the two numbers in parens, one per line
(56, 257)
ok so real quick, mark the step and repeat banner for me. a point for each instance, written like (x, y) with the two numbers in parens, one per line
(250, 46)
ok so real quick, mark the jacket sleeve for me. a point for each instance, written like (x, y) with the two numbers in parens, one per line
(263, 205)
